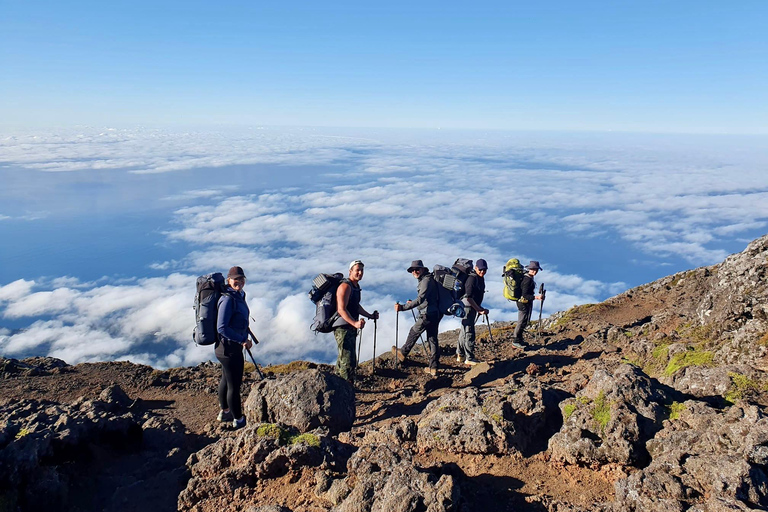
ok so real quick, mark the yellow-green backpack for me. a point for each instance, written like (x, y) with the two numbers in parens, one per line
(513, 277)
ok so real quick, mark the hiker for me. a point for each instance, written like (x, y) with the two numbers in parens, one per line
(429, 316)
(525, 302)
(348, 322)
(232, 327)
(474, 290)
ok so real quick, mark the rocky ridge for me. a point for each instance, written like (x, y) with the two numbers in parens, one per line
(652, 400)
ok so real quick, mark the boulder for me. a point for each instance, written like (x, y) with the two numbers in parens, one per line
(304, 400)
(702, 453)
(609, 420)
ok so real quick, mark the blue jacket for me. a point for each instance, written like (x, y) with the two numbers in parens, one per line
(233, 316)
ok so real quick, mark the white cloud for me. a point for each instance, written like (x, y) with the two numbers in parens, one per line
(395, 199)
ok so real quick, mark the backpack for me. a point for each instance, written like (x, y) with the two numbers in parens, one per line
(208, 291)
(513, 278)
(449, 291)
(323, 295)
(462, 267)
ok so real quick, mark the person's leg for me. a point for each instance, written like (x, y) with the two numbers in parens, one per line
(224, 360)
(345, 363)
(523, 317)
(413, 335)
(431, 325)
(461, 343)
(234, 381)
(468, 329)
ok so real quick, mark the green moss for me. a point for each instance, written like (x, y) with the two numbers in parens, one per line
(310, 439)
(675, 408)
(21, 433)
(497, 419)
(741, 385)
(274, 431)
(628, 334)
(601, 412)
(633, 360)
(690, 357)
(584, 400)
(568, 410)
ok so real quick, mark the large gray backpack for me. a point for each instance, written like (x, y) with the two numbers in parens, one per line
(209, 290)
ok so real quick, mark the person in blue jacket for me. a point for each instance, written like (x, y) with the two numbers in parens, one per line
(232, 326)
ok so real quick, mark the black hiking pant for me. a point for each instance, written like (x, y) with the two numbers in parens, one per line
(230, 355)
(524, 310)
(428, 323)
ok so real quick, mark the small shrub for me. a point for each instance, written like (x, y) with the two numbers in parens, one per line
(274, 431)
(741, 386)
(22, 433)
(690, 357)
(568, 410)
(310, 439)
(675, 409)
(601, 412)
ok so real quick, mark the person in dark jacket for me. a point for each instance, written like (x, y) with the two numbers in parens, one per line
(474, 291)
(429, 316)
(525, 303)
(232, 326)
(346, 325)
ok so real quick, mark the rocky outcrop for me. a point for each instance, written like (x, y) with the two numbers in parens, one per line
(384, 477)
(258, 452)
(501, 420)
(31, 367)
(714, 459)
(610, 419)
(38, 439)
(304, 400)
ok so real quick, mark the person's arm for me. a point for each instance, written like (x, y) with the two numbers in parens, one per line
(342, 299)
(226, 310)
(528, 289)
(366, 314)
(423, 285)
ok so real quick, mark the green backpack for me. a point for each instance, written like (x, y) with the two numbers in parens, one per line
(513, 277)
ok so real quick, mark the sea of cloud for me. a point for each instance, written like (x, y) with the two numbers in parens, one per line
(391, 197)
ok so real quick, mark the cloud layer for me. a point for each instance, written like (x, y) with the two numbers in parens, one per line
(396, 197)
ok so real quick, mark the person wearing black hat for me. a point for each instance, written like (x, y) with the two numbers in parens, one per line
(429, 316)
(474, 291)
(232, 325)
(525, 303)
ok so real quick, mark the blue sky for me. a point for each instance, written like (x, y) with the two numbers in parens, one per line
(653, 66)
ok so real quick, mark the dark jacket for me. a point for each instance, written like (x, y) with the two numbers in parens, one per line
(232, 322)
(528, 288)
(474, 288)
(353, 304)
(427, 299)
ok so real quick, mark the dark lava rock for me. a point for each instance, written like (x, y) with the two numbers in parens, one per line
(610, 419)
(304, 400)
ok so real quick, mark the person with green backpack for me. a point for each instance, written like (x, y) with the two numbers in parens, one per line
(525, 302)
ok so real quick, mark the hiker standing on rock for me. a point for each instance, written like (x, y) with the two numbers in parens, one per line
(232, 326)
(349, 321)
(474, 291)
(429, 316)
(525, 302)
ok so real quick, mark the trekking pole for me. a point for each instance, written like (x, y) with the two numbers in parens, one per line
(427, 352)
(373, 363)
(488, 322)
(397, 329)
(543, 294)
(255, 342)
(359, 344)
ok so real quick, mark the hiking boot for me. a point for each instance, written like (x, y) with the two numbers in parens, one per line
(399, 354)
(431, 371)
(471, 362)
(225, 416)
(458, 358)
(518, 344)
(239, 423)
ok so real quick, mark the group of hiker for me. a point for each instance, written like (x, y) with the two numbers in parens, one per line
(340, 311)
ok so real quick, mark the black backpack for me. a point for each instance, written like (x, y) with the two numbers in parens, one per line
(449, 291)
(462, 267)
(209, 290)
(323, 295)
